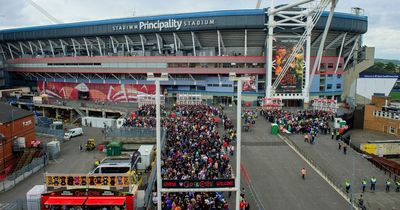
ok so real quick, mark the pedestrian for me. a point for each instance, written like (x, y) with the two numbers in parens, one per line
(303, 173)
(344, 148)
(340, 145)
(80, 147)
(306, 138)
(242, 205)
(247, 206)
(398, 186)
(242, 192)
(388, 185)
(347, 184)
(332, 135)
(373, 183)
(364, 184)
(312, 138)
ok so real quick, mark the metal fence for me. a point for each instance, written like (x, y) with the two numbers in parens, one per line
(133, 132)
(13, 179)
(59, 134)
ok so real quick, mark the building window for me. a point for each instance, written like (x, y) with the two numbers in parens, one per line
(338, 86)
(330, 65)
(340, 65)
(392, 130)
(330, 75)
(339, 76)
(329, 86)
(321, 88)
(226, 85)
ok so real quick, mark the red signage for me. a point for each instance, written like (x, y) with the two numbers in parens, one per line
(217, 183)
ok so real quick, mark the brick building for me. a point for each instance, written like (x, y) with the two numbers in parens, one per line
(15, 125)
(382, 115)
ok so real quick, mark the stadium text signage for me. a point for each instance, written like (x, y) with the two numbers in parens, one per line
(219, 183)
(163, 24)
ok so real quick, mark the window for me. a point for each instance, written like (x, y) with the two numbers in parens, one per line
(329, 75)
(392, 130)
(340, 65)
(329, 86)
(226, 85)
(338, 86)
(321, 88)
(330, 65)
(339, 76)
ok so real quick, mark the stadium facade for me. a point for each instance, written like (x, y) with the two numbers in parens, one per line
(110, 59)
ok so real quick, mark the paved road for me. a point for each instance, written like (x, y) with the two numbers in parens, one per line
(71, 160)
(272, 173)
(340, 167)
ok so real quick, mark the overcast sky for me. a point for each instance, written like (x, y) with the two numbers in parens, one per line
(383, 33)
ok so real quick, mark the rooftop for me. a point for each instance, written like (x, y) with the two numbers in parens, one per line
(9, 113)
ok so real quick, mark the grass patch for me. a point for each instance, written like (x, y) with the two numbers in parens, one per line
(395, 95)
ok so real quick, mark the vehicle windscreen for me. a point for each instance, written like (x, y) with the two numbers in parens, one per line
(114, 170)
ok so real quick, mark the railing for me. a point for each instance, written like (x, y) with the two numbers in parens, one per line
(59, 134)
(13, 179)
(387, 115)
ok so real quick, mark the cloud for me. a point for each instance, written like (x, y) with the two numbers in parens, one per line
(383, 22)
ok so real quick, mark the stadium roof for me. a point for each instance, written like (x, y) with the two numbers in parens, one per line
(243, 12)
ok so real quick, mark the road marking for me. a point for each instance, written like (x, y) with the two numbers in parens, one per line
(250, 184)
(318, 171)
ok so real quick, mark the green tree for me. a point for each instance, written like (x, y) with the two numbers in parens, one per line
(380, 65)
(390, 67)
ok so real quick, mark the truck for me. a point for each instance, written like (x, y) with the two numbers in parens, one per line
(73, 133)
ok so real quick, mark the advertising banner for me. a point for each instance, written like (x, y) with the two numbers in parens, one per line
(94, 91)
(250, 85)
(88, 181)
(292, 81)
(214, 183)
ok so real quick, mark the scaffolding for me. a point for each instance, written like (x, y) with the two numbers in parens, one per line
(150, 100)
(329, 105)
(271, 104)
(188, 99)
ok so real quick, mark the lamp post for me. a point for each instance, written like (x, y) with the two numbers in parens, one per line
(233, 77)
(163, 77)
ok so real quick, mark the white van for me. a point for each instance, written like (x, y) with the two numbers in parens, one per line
(117, 165)
(72, 133)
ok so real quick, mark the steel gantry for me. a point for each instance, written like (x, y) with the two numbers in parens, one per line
(290, 17)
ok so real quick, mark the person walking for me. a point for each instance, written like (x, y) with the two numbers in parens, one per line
(373, 183)
(344, 148)
(303, 173)
(388, 185)
(340, 145)
(242, 192)
(364, 184)
(332, 135)
(398, 186)
(347, 185)
(306, 138)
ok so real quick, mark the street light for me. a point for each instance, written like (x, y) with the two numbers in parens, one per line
(233, 77)
(163, 77)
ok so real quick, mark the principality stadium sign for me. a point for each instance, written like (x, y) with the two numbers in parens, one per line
(163, 24)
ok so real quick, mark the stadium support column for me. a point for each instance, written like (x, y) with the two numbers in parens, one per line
(306, 89)
(271, 26)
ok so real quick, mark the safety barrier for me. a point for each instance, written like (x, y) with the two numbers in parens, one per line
(13, 179)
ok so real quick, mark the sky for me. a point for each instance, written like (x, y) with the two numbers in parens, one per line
(383, 15)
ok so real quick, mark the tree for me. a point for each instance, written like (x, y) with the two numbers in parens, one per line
(390, 67)
(380, 65)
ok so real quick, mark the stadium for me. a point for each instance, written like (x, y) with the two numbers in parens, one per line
(108, 60)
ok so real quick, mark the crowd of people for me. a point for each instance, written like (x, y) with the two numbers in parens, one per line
(301, 122)
(194, 149)
(194, 201)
